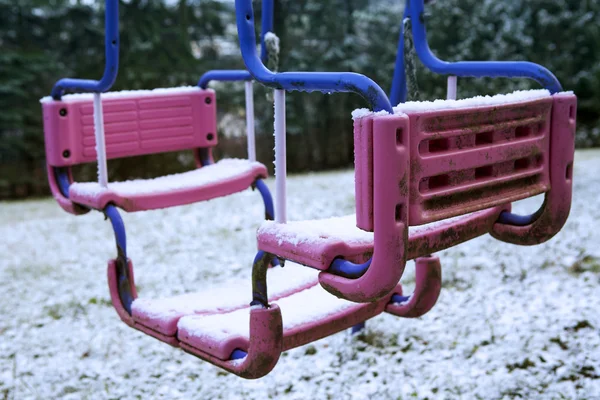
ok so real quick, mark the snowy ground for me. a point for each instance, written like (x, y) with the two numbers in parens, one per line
(511, 322)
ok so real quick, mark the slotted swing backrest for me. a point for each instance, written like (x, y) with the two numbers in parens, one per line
(460, 160)
(135, 123)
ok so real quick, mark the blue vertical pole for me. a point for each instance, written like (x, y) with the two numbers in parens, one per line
(268, 12)
(398, 91)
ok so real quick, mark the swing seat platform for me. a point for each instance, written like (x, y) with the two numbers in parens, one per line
(217, 322)
(162, 315)
(223, 178)
(136, 123)
(432, 176)
(317, 243)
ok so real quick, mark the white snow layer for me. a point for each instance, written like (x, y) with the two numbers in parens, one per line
(222, 170)
(511, 323)
(124, 94)
(516, 97)
(227, 296)
(335, 229)
(310, 305)
(317, 231)
(271, 39)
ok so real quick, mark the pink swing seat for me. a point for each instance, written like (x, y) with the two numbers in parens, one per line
(216, 322)
(429, 179)
(471, 156)
(140, 123)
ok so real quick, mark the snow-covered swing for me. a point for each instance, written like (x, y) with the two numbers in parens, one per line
(428, 176)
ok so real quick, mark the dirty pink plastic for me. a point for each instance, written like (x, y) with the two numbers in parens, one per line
(113, 287)
(391, 174)
(451, 233)
(317, 255)
(267, 337)
(62, 201)
(338, 322)
(133, 126)
(557, 203)
(156, 200)
(264, 347)
(136, 125)
(463, 160)
(213, 350)
(168, 326)
(428, 285)
(421, 242)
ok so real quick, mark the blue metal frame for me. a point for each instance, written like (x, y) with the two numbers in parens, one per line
(118, 227)
(358, 327)
(225, 75)
(327, 82)
(348, 269)
(111, 68)
(124, 282)
(268, 13)
(415, 10)
(236, 75)
(238, 354)
(398, 91)
(396, 298)
(62, 177)
(267, 199)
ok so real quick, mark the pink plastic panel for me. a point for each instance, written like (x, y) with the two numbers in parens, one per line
(152, 200)
(463, 160)
(363, 175)
(134, 125)
(557, 202)
(470, 159)
(200, 332)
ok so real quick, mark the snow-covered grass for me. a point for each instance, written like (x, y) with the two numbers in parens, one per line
(512, 322)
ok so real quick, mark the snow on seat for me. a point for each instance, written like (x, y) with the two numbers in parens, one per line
(318, 242)
(162, 315)
(222, 178)
(307, 316)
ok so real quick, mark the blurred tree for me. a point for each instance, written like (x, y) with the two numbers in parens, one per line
(169, 43)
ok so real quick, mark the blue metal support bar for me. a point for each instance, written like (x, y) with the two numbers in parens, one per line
(267, 199)
(111, 68)
(268, 13)
(243, 75)
(124, 280)
(415, 10)
(398, 91)
(348, 269)
(225, 75)
(326, 82)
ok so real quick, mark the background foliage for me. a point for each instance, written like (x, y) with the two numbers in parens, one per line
(170, 43)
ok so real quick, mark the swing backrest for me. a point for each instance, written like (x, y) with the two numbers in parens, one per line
(135, 122)
(440, 164)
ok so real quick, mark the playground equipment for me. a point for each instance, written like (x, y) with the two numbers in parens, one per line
(428, 177)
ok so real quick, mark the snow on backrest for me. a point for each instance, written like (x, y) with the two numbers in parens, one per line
(462, 159)
(135, 122)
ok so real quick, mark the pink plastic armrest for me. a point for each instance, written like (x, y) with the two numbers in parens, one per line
(113, 286)
(391, 164)
(62, 201)
(428, 285)
(557, 203)
(266, 345)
